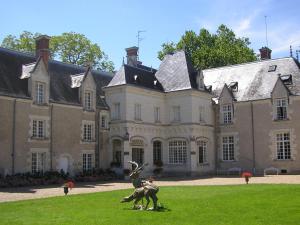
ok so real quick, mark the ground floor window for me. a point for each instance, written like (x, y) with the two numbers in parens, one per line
(138, 155)
(177, 152)
(283, 146)
(157, 151)
(228, 148)
(38, 162)
(202, 147)
(87, 161)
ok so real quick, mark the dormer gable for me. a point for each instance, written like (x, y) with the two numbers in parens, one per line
(280, 90)
(38, 81)
(88, 91)
(226, 96)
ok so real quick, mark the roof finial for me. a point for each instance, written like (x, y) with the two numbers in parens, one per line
(291, 51)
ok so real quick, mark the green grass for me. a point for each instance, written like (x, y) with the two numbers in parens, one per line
(228, 205)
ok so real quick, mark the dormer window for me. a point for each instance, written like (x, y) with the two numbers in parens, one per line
(88, 100)
(227, 113)
(272, 68)
(40, 93)
(287, 79)
(234, 86)
(281, 109)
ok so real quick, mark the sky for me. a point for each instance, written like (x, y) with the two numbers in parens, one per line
(114, 24)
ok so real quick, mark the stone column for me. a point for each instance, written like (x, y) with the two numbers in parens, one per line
(127, 155)
(194, 158)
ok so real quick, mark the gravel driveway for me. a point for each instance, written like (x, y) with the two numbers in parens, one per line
(16, 194)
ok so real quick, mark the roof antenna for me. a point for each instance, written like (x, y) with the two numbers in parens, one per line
(139, 39)
(291, 51)
(266, 32)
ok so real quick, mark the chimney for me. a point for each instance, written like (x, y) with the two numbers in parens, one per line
(42, 48)
(132, 56)
(265, 53)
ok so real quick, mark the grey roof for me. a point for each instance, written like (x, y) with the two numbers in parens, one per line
(139, 76)
(176, 72)
(13, 63)
(254, 80)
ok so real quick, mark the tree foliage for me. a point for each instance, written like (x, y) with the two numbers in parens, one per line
(68, 47)
(212, 50)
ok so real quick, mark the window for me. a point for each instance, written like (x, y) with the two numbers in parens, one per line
(38, 162)
(201, 114)
(228, 148)
(88, 132)
(156, 114)
(202, 146)
(272, 68)
(281, 109)
(40, 93)
(103, 121)
(157, 151)
(116, 111)
(227, 114)
(283, 146)
(137, 111)
(87, 162)
(176, 113)
(38, 129)
(177, 152)
(88, 100)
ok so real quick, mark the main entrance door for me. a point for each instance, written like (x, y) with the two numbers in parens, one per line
(138, 155)
(63, 164)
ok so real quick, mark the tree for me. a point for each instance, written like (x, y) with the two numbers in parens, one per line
(208, 50)
(68, 47)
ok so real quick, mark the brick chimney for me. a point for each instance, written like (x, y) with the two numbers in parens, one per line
(265, 53)
(42, 48)
(132, 56)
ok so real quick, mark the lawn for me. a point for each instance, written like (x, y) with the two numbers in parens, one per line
(228, 205)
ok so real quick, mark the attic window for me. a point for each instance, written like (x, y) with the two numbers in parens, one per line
(135, 77)
(155, 82)
(234, 86)
(272, 68)
(287, 79)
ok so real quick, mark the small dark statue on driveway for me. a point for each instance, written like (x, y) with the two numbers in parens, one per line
(143, 188)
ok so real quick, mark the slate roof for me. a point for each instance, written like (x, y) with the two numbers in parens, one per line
(175, 73)
(254, 80)
(11, 63)
(139, 76)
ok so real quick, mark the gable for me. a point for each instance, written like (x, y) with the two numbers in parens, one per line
(279, 90)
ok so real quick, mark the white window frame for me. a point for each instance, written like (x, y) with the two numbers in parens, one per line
(283, 146)
(116, 113)
(87, 162)
(227, 112)
(202, 148)
(88, 132)
(177, 152)
(38, 160)
(88, 100)
(137, 111)
(38, 129)
(228, 148)
(281, 109)
(176, 113)
(156, 114)
(40, 93)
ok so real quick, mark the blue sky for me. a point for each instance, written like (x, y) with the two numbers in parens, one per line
(114, 24)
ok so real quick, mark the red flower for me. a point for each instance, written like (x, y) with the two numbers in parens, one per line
(246, 174)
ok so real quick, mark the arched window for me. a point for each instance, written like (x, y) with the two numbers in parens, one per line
(117, 152)
(157, 152)
(202, 147)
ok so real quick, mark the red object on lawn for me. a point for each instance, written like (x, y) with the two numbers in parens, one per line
(246, 174)
(70, 184)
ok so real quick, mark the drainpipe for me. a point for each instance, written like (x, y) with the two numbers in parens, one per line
(13, 138)
(252, 131)
(51, 139)
(97, 153)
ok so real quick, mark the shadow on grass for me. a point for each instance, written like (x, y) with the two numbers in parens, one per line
(160, 208)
